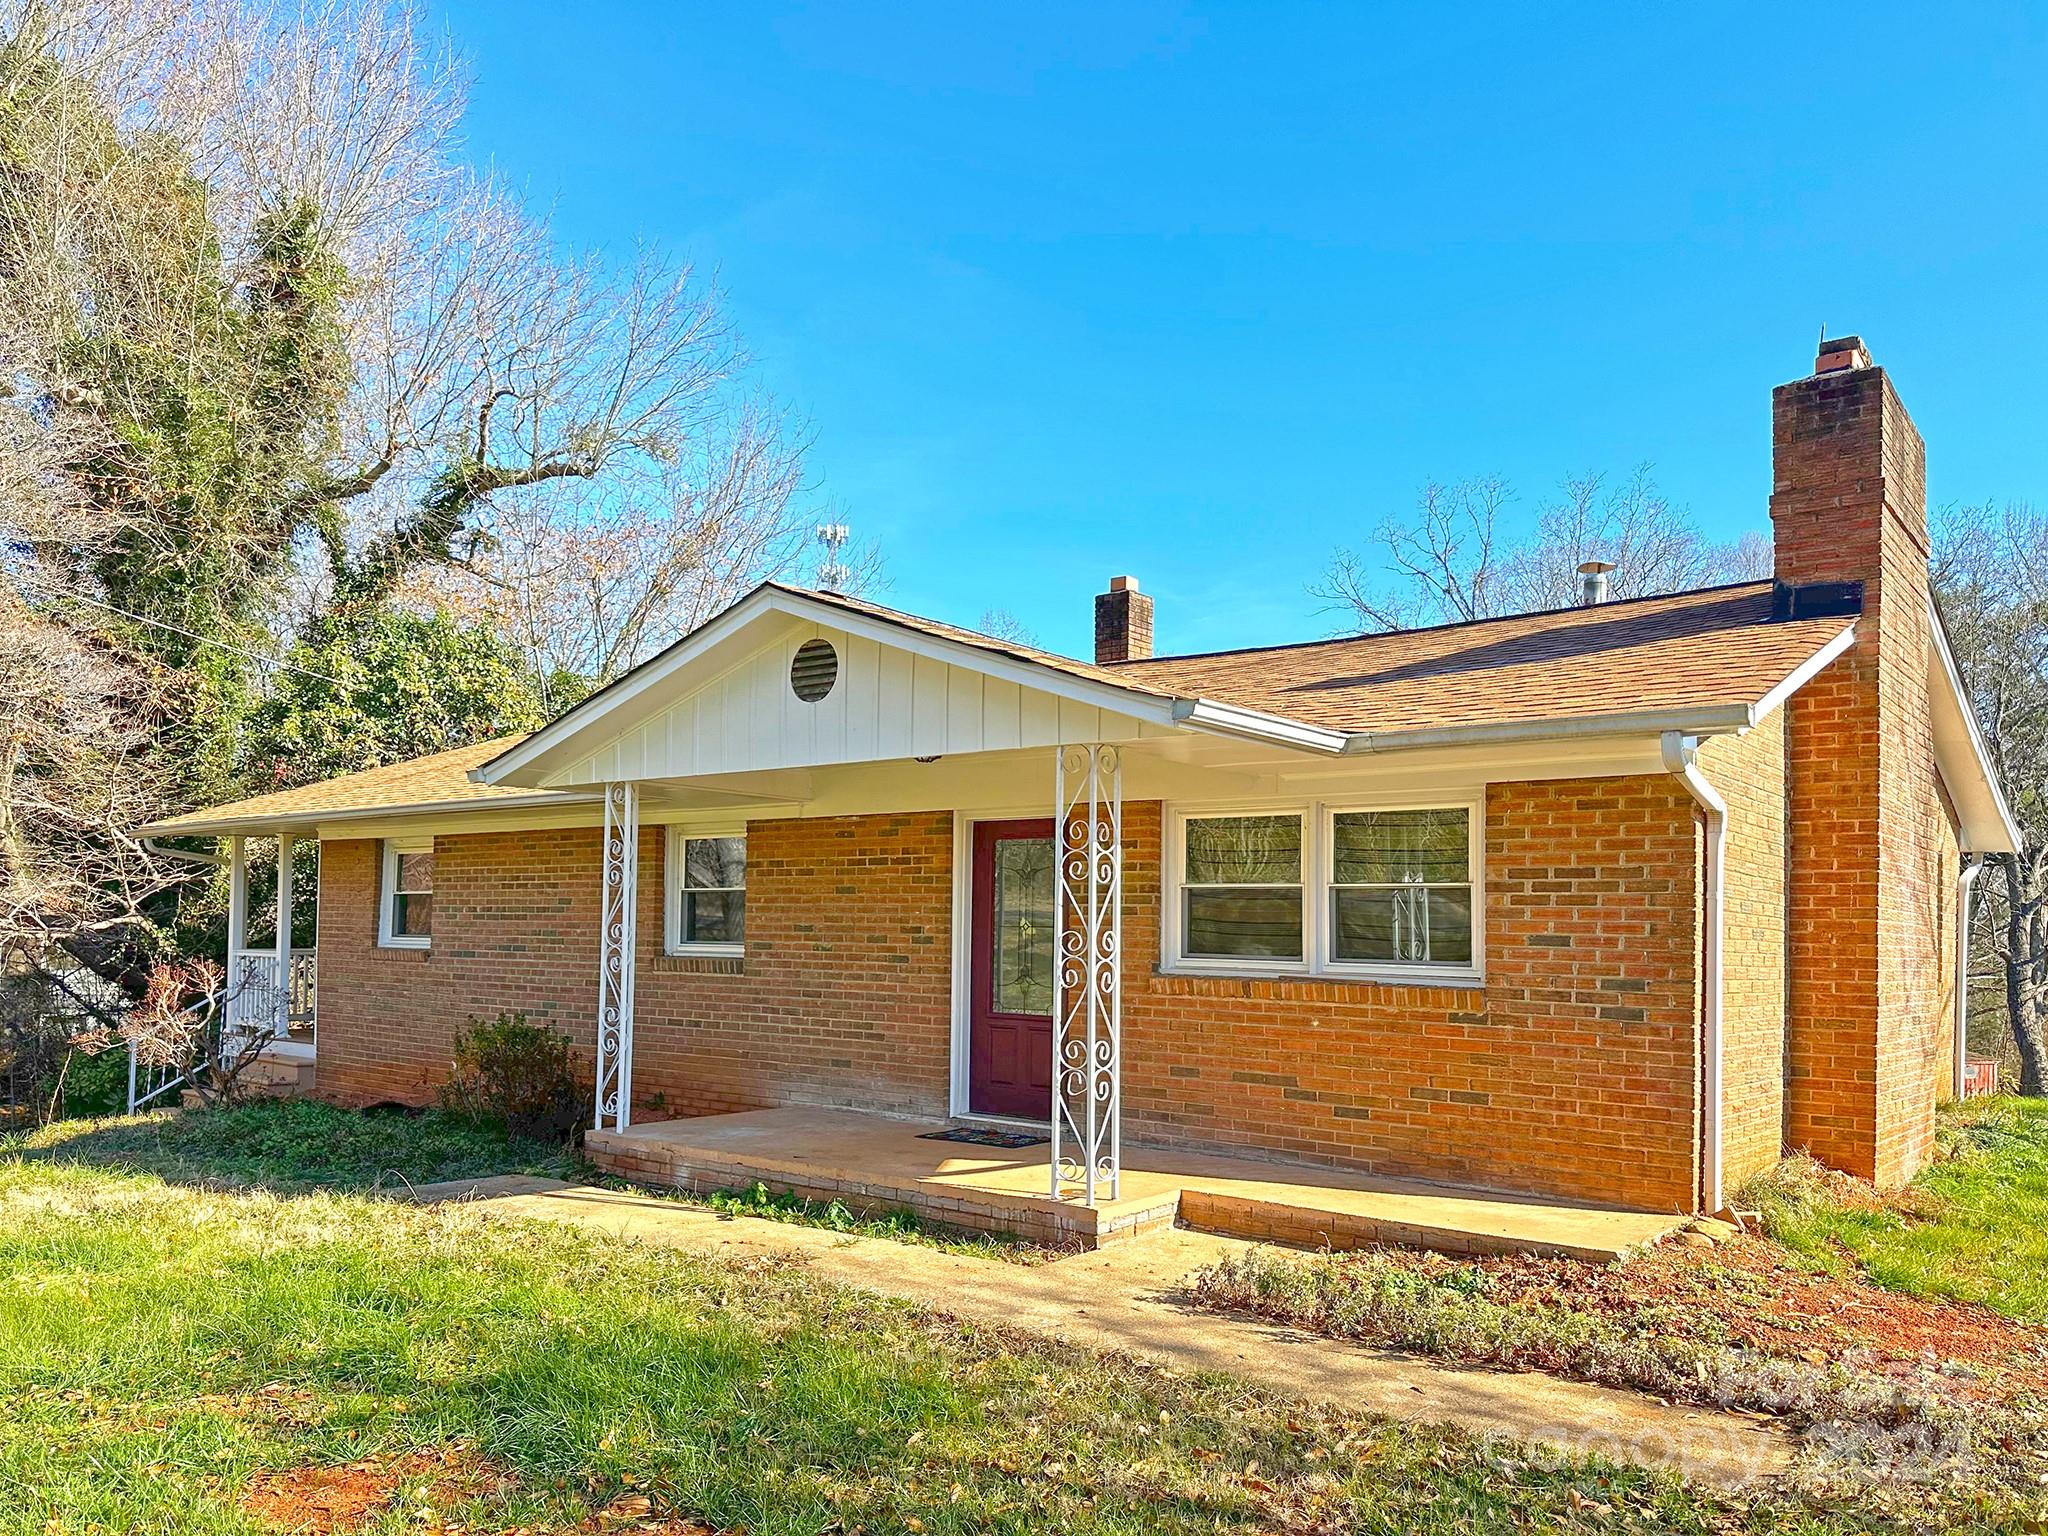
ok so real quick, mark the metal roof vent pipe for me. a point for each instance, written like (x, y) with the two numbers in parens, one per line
(1593, 582)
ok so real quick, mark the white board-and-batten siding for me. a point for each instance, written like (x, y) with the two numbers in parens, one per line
(887, 703)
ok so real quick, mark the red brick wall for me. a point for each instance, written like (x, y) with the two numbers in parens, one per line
(1868, 971)
(843, 998)
(845, 995)
(515, 929)
(1573, 1070)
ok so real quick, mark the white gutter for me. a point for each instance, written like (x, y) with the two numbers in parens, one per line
(1257, 725)
(1712, 720)
(1972, 863)
(1681, 758)
(304, 821)
(157, 850)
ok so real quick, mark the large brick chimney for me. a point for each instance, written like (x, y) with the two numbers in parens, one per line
(1865, 1027)
(1123, 622)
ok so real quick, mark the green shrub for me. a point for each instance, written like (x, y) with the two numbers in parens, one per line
(519, 1073)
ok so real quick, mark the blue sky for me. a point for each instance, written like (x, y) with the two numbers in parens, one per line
(1201, 294)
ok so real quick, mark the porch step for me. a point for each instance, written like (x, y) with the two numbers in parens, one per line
(268, 1077)
(1322, 1223)
(866, 1159)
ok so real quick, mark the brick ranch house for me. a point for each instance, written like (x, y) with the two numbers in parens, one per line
(1609, 905)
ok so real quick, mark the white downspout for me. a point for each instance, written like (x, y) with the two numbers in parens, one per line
(1972, 863)
(1680, 758)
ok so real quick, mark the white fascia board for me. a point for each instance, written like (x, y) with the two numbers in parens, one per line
(1804, 673)
(1143, 705)
(1958, 700)
(1257, 725)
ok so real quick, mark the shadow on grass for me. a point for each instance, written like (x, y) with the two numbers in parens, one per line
(291, 1146)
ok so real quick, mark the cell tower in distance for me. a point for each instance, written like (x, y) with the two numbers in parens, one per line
(833, 573)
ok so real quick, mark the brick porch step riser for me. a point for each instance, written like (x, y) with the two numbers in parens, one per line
(1063, 1226)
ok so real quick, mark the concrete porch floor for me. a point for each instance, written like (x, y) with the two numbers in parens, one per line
(855, 1157)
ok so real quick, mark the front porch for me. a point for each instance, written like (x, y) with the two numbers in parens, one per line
(879, 1160)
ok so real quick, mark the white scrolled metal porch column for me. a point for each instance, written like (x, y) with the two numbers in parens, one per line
(620, 898)
(281, 1012)
(1087, 1089)
(233, 981)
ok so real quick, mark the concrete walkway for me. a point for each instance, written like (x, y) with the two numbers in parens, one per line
(1127, 1298)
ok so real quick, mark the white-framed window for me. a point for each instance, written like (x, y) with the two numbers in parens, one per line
(1242, 888)
(1379, 889)
(705, 877)
(1401, 895)
(405, 894)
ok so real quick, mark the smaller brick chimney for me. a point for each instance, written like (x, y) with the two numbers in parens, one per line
(1123, 622)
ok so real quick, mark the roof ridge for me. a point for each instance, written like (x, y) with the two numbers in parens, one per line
(1432, 629)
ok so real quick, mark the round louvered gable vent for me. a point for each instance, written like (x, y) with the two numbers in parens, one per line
(813, 670)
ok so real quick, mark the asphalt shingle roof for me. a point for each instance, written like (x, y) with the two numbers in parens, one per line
(441, 779)
(1716, 646)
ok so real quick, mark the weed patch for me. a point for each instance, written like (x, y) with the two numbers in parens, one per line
(897, 1223)
(1932, 1396)
(295, 1145)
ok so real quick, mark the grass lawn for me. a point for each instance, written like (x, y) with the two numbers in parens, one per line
(1974, 1227)
(193, 1359)
(294, 1146)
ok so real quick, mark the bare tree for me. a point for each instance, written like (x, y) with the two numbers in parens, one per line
(1443, 560)
(1457, 558)
(272, 352)
(1991, 570)
(78, 773)
(1001, 624)
(587, 582)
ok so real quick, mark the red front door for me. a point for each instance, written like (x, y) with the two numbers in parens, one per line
(1010, 1018)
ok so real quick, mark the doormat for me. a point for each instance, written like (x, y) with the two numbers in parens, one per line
(982, 1136)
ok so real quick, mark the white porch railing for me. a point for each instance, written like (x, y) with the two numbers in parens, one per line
(152, 1076)
(252, 995)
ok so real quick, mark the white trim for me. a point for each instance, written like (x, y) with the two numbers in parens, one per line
(1474, 807)
(960, 1041)
(387, 889)
(672, 942)
(1170, 895)
(1938, 639)
(1258, 725)
(1803, 674)
(306, 821)
(1318, 831)
(1973, 865)
(1703, 720)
